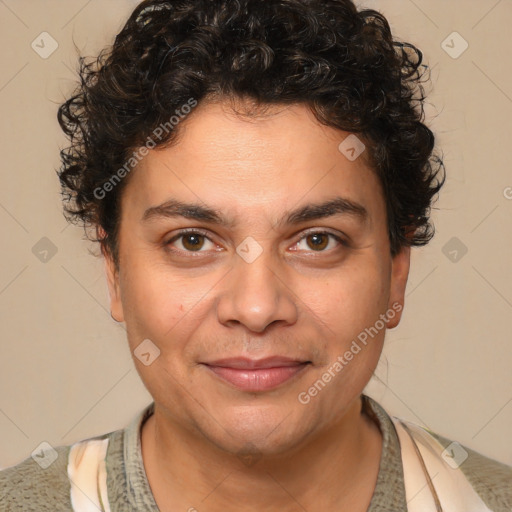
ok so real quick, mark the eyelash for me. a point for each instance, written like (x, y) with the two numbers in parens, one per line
(196, 231)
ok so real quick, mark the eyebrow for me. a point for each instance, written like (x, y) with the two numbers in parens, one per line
(314, 211)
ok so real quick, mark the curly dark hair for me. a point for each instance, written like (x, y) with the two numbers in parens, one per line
(342, 63)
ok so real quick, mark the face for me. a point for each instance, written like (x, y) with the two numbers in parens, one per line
(253, 255)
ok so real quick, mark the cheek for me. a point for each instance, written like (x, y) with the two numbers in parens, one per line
(155, 300)
(350, 298)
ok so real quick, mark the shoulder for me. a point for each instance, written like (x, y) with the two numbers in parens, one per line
(491, 479)
(40, 482)
(37, 483)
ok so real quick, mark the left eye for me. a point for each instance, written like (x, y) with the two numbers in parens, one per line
(318, 241)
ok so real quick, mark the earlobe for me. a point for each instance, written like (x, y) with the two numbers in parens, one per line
(399, 273)
(112, 275)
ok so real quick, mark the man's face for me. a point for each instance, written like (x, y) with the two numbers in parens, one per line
(259, 282)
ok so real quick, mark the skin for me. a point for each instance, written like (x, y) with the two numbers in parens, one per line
(210, 446)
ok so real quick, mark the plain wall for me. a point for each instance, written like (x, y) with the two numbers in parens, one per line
(65, 369)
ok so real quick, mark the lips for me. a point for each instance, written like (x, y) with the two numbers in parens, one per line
(257, 374)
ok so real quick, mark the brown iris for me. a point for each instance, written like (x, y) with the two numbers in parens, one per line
(319, 241)
(193, 241)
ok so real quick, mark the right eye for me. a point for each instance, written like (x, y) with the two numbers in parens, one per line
(189, 241)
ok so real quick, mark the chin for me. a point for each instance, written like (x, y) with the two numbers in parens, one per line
(269, 431)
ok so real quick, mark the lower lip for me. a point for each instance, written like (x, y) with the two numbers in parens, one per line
(261, 379)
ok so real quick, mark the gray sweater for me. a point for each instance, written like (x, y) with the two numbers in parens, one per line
(28, 487)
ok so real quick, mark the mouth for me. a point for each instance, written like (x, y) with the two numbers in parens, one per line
(254, 375)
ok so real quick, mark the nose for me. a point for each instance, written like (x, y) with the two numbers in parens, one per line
(256, 295)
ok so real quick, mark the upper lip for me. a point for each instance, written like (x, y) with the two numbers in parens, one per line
(245, 363)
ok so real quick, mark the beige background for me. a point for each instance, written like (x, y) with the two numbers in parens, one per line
(65, 370)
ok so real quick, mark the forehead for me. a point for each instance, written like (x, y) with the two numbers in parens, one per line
(241, 163)
(241, 131)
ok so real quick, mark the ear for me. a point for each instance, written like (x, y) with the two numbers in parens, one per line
(112, 275)
(399, 273)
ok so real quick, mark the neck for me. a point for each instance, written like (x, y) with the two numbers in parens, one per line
(336, 468)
